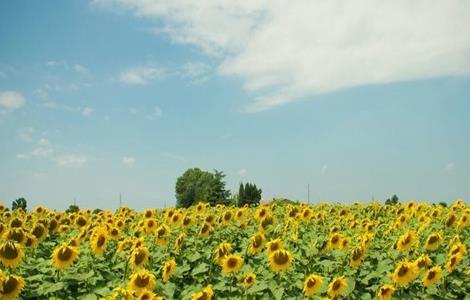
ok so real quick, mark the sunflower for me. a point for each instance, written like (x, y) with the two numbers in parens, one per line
(432, 276)
(139, 257)
(312, 285)
(280, 260)
(114, 233)
(161, 236)
(121, 293)
(450, 220)
(423, 261)
(142, 280)
(11, 254)
(357, 254)
(168, 270)
(405, 241)
(337, 287)
(179, 241)
(10, 287)
(232, 264)
(249, 280)
(16, 234)
(187, 220)
(256, 243)
(222, 251)
(273, 246)
(457, 248)
(260, 213)
(205, 229)
(205, 294)
(227, 217)
(146, 295)
(335, 241)
(150, 225)
(99, 242)
(433, 241)
(64, 256)
(385, 292)
(176, 219)
(453, 261)
(405, 273)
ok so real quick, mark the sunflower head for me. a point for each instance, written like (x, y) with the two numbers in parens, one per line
(453, 262)
(432, 276)
(64, 256)
(385, 292)
(337, 287)
(205, 294)
(273, 246)
(423, 261)
(405, 273)
(11, 286)
(280, 260)
(142, 280)
(222, 250)
(249, 280)
(139, 257)
(168, 270)
(11, 254)
(232, 264)
(312, 285)
(433, 241)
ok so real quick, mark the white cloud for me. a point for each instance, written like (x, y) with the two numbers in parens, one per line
(43, 149)
(449, 166)
(242, 172)
(71, 161)
(26, 134)
(11, 100)
(22, 156)
(324, 169)
(87, 111)
(287, 50)
(196, 72)
(128, 161)
(80, 69)
(141, 75)
(155, 114)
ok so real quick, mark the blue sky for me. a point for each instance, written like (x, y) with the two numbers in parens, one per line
(110, 96)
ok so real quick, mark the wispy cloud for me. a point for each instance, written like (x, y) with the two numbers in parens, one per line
(324, 169)
(141, 75)
(284, 51)
(242, 172)
(195, 72)
(173, 156)
(87, 111)
(11, 101)
(128, 161)
(71, 161)
(155, 114)
(26, 134)
(81, 69)
(449, 166)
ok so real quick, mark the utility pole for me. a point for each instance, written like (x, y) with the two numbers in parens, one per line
(120, 199)
(74, 201)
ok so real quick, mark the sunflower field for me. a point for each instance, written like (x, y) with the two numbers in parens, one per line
(276, 251)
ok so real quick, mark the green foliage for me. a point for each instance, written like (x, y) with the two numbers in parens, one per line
(249, 194)
(72, 209)
(443, 204)
(19, 203)
(196, 185)
(392, 201)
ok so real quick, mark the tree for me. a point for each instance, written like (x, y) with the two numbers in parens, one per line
(392, 201)
(443, 204)
(72, 209)
(196, 185)
(249, 194)
(19, 203)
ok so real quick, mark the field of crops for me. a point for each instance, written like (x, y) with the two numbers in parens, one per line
(276, 251)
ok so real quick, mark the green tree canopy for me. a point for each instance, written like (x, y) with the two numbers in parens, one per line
(196, 185)
(249, 194)
(19, 203)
